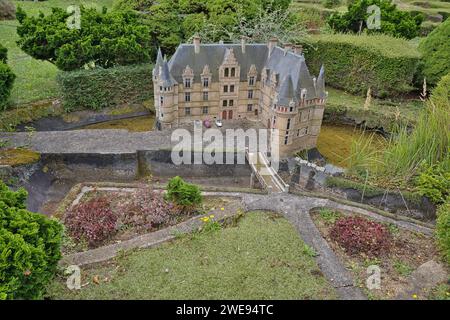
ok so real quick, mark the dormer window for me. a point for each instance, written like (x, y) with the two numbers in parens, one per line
(226, 72)
(188, 77)
(233, 72)
(251, 81)
(187, 83)
(205, 82)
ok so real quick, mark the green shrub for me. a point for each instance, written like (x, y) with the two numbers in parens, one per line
(393, 21)
(331, 3)
(30, 247)
(435, 50)
(443, 229)
(100, 88)
(434, 181)
(183, 193)
(103, 39)
(355, 63)
(7, 78)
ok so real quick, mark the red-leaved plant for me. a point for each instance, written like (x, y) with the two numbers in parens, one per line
(359, 235)
(145, 210)
(92, 221)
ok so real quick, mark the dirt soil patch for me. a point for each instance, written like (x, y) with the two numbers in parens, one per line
(409, 250)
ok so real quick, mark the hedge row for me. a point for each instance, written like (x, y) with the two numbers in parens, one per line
(100, 88)
(356, 62)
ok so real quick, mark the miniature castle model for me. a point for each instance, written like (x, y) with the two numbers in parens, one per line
(261, 82)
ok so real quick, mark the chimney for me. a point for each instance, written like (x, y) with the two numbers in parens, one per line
(273, 42)
(298, 49)
(197, 44)
(243, 43)
(287, 48)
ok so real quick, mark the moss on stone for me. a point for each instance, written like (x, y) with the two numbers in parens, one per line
(18, 157)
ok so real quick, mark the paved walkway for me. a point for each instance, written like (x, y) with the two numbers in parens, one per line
(294, 208)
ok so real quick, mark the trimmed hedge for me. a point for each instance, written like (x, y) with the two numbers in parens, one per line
(7, 78)
(101, 88)
(356, 62)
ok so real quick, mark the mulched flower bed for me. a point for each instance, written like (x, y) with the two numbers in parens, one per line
(104, 217)
(397, 252)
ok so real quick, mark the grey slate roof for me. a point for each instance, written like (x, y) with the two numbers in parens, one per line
(290, 67)
(166, 76)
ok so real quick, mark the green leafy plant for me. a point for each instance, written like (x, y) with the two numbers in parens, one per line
(328, 215)
(30, 247)
(434, 181)
(402, 268)
(394, 22)
(183, 194)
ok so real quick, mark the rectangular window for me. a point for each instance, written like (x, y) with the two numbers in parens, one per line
(225, 89)
(187, 97)
(162, 100)
(161, 88)
(233, 72)
(251, 81)
(286, 139)
(250, 94)
(288, 124)
(205, 110)
(225, 103)
(187, 111)
(205, 96)
(232, 88)
(226, 72)
(205, 82)
(249, 108)
(274, 121)
(231, 103)
(187, 83)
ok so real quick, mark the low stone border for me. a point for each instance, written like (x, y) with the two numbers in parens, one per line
(294, 208)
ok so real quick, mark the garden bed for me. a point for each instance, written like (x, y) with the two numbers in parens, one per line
(121, 214)
(407, 251)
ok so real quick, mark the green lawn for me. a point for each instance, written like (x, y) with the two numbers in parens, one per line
(35, 79)
(260, 258)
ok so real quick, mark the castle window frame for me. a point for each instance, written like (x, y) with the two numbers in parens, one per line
(288, 125)
(205, 82)
(226, 72)
(187, 111)
(225, 103)
(187, 83)
(232, 88)
(249, 107)
(187, 97)
(251, 81)
(231, 103)
(205, 95)
(205, 110)
(233, 72)
(250, 94)
(225, 89)
(161, 100)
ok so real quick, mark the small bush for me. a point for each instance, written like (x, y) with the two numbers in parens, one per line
(7, 10)
(92, 221)
(29, 247)
(435, 50)
(145, 210)
(356, 63)
(359, 235)
(100, 88)
(443, 229)
(183, 194)
(434, 182)
(7, 78)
